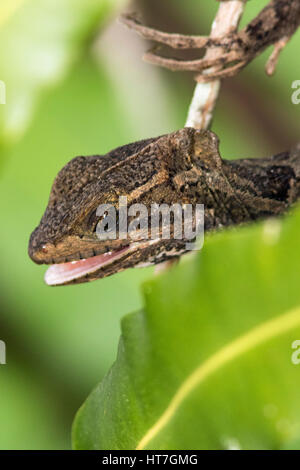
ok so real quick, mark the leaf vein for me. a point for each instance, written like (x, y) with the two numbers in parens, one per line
(239, 346)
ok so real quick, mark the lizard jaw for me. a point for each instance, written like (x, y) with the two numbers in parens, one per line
(64, 273)
(94, 267)
(138, 254)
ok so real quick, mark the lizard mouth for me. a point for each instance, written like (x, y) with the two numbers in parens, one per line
(99, 266)
(64, 273)
(103, 265)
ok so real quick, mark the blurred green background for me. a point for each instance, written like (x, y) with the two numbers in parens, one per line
(76, 85)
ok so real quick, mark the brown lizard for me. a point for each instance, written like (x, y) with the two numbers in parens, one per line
(183, 167)
(275, 24)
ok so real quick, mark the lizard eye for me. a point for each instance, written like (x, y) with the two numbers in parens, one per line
(92, 221)
(109, 222)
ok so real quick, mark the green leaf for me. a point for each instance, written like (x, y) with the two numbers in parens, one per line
(39, 41)
(208, 364)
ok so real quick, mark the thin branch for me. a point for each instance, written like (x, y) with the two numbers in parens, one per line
(206, 94)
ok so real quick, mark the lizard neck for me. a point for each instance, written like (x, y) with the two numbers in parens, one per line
(238, 191)
(265, 187)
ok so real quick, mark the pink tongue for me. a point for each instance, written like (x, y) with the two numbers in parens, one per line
(66, 272)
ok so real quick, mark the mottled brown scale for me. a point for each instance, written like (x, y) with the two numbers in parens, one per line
(181, 167)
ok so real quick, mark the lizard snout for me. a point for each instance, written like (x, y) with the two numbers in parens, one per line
(38, 251)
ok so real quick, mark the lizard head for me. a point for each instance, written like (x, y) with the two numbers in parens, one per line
(145, 172)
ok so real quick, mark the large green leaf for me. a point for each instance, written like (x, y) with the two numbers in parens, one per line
(39, 41)
(207, 365)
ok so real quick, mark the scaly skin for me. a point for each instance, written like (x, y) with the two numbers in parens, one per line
(181, 167)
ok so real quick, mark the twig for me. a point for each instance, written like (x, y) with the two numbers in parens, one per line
(206, 94)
